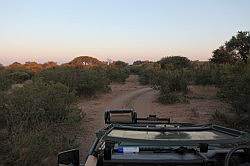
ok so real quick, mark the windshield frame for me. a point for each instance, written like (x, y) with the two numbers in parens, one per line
(237, 136)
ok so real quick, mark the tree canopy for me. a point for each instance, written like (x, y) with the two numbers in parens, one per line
(120, 64)
(174, 62)
(85, 61)
(237, 49)
(222, 56)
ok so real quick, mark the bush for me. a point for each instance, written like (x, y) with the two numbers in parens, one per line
(120, 64)
(9, 77)
(5, 83)
(172, 86)
(173, 81)
(207, 74)
(236, 90)
(37, 121)
(85, 82)
(167, 97)
(174, 62)
(148, 73)
(35, 104)
(19, 76)
(117, 74)
(171, 98)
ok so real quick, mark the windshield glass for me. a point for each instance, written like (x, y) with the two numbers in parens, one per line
(173, 135)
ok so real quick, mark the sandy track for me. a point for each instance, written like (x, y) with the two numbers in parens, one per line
(143, 100)
(126, 100)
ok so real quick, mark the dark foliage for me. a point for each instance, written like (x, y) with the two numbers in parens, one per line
(223, 56)
(172, 83)
(85, 82)
(172, 86)
(19, 76)
(237, 49)
(9, 77)
(37, 119)
(116, 74)
(174, 62)
(120, 64)
(236, 89)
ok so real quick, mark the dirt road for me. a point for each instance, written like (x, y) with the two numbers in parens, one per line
(202, 103)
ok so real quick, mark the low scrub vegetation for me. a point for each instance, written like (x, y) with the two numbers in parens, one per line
(232, 80)
(228, 69)
(168, 76)
(236, 91)
(85, 82)
(172, 86)
(9, 77)
(116, 74)
(39, 120)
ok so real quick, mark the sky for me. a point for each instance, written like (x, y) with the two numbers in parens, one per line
(128, 30)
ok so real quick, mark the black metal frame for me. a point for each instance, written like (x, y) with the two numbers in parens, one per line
(131, 111)
(153, 119)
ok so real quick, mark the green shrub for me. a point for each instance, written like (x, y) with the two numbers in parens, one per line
(120, 64)
(5, 83)
(85, 82)
(207, 74)
(9, 77)
(172, 86)
(173, 81)
(168, 97)
(38, 122)
(174, 62)
(135, 69)
(117, 74)
(236, 89)
(19, 76)
(148, 73)
(171, 98)
(37, 103)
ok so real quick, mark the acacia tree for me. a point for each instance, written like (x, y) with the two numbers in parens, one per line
(236, 49)
(82, 61)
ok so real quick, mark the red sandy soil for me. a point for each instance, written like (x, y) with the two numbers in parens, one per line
(201, 105)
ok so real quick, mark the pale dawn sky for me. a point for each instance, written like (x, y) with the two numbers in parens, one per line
(128, 30)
